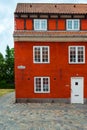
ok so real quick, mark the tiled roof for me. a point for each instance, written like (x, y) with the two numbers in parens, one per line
(51, 8)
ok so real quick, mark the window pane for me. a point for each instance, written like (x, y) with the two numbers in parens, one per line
(77, 54)
(76, 25)
(41, 54)
(45, 84)
(38, 84)
(45, 54)
(37, 57)
(36, 24)
(69, 24)
(72, 54)
(40, 24)
(73, 24)
(43, 24)
(80, 54)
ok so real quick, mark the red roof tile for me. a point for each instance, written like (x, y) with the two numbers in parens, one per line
(51, 8)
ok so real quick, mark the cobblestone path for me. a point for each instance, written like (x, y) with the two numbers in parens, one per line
(41, 116)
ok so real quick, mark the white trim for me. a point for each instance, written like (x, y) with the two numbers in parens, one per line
(41, 62)
(76, 55)
(42, 85)
(40, 24)
(73, 29)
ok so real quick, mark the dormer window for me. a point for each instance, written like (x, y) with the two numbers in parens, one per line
(40, 24)
(73, 24)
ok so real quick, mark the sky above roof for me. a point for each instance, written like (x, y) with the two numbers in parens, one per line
(7, 8)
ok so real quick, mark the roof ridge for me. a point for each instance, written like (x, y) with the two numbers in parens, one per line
(55, 3)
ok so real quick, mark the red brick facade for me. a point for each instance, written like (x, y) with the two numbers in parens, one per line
(59, 69)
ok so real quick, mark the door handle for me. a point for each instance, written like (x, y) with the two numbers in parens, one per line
(76, 95)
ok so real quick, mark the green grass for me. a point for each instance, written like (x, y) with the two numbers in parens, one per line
(5, 91)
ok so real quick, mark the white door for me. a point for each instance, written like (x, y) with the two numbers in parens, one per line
(77, 86)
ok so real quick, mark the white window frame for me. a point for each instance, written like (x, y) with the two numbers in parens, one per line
(41, 85)
(41, 62)
(40, 24)
(73, 20)
(77, 55)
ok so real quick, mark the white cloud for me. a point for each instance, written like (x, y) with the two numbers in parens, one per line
(2, 28)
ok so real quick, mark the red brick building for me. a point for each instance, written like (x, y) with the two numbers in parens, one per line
(51, 52)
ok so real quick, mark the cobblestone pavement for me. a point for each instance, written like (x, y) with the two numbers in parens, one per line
(41, 116)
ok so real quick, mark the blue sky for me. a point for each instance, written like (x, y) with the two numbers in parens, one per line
(7, 8)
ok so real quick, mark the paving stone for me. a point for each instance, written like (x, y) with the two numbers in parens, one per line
(42, 128)
(58, 127)
(32, 128)
(2, 127)
(41, 116)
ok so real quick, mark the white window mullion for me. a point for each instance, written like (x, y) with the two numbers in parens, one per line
(84, 54)
(41, 53)
(41, 84)
(76, 54)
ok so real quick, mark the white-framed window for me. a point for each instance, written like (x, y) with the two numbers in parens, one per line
(40, 24)
(41, 84)
(73, 24)
(41, 54)
(76, 54)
